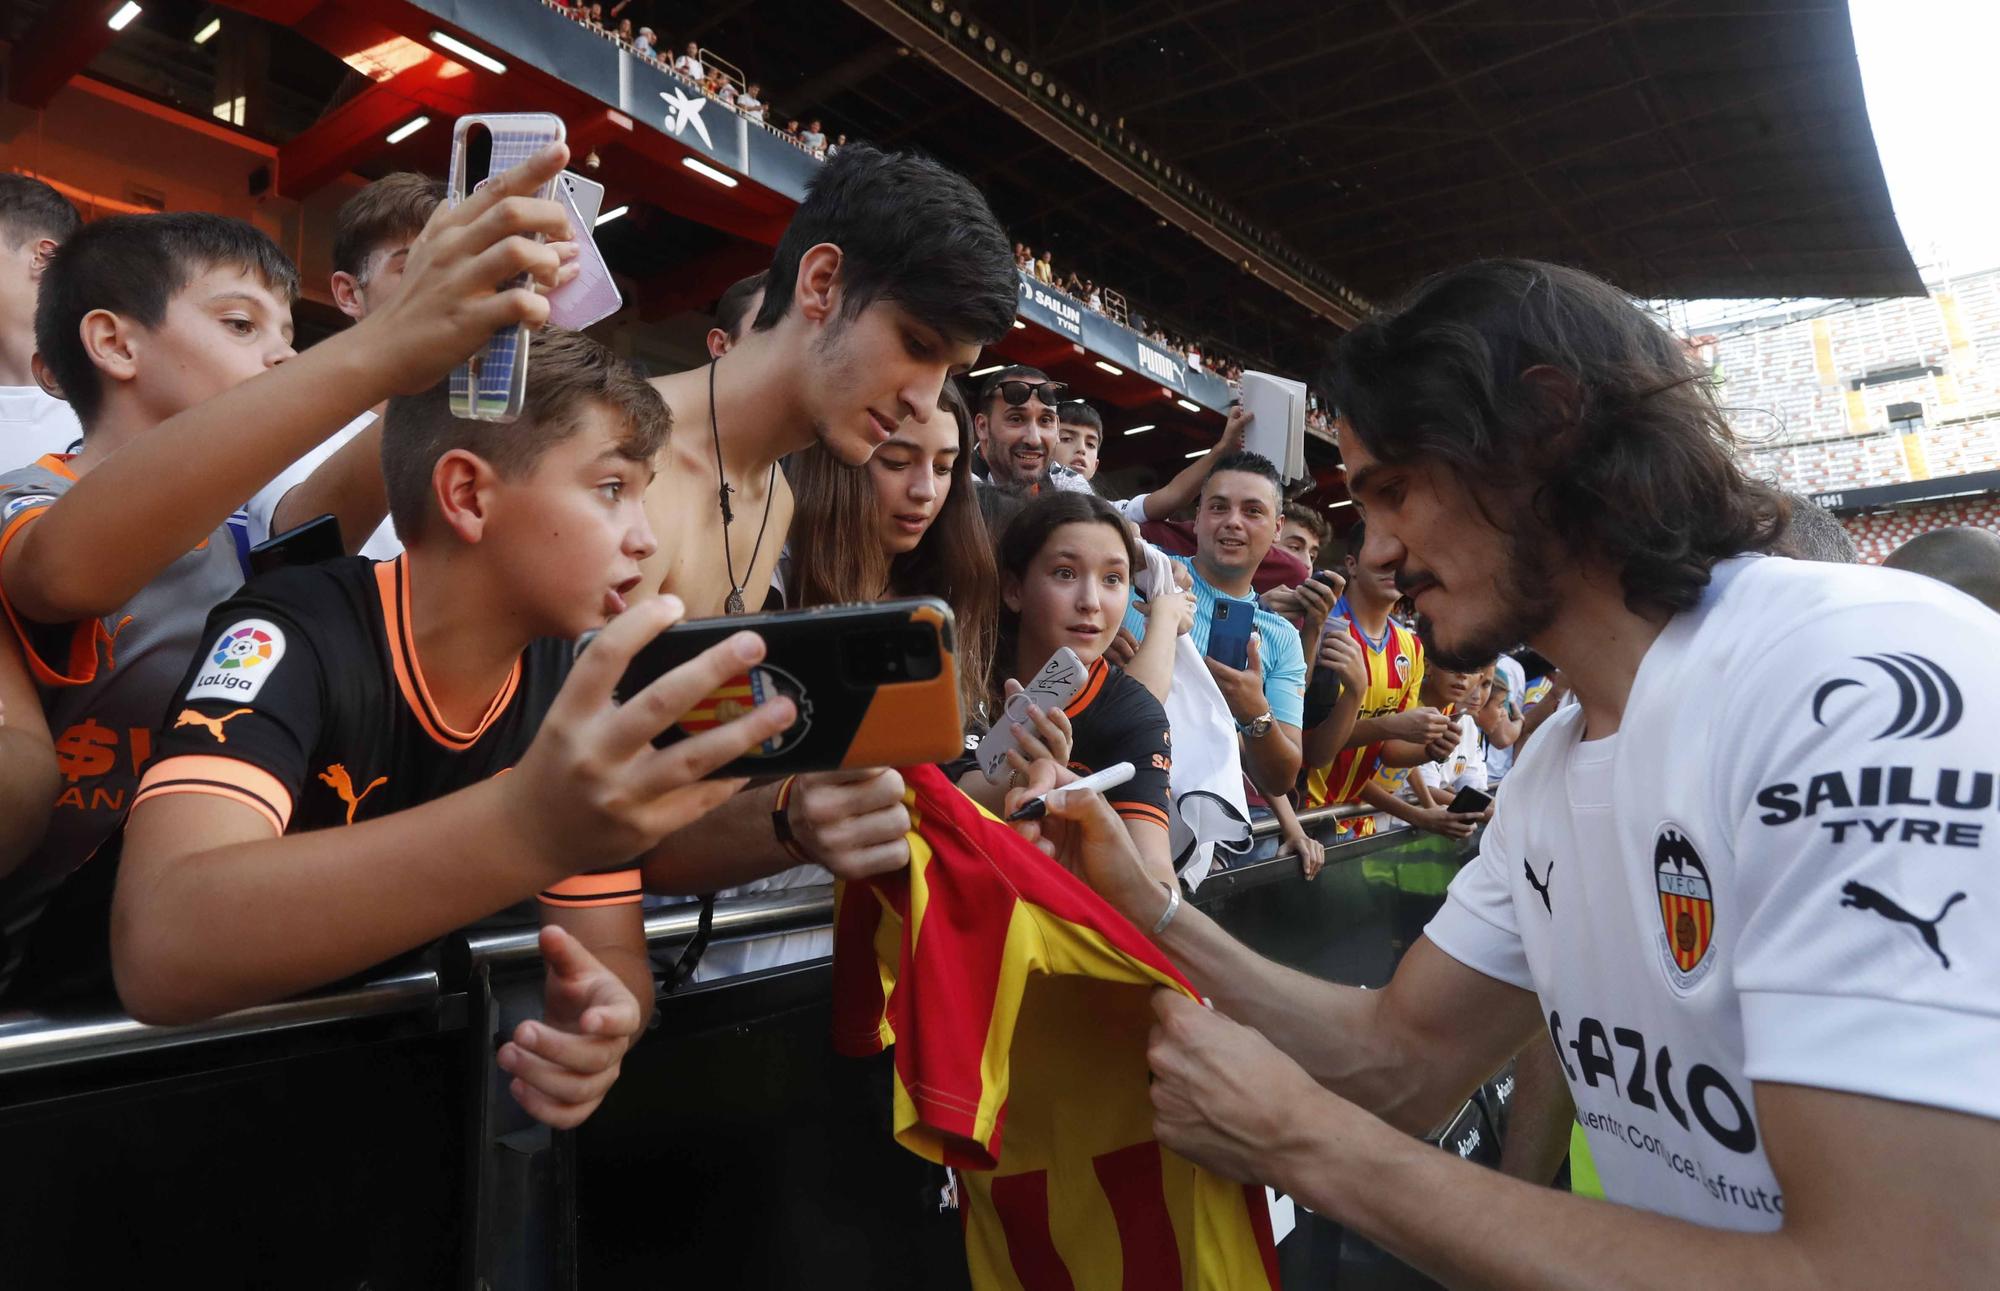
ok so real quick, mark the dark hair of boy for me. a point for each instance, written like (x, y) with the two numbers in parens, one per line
(1531, 379)
(1308, 519)
(1076, 412)
(134, 265)
(734, 304)
(1812, 532)
(909, 231)
(30, 208)
(846, 563)
(394, 208)
(1250, 464)
(566, 371)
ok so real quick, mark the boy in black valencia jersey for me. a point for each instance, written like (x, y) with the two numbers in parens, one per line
(364, 757)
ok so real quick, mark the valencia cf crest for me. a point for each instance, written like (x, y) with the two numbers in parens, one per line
(1687, 908)
(1399, 670)
(743, 692)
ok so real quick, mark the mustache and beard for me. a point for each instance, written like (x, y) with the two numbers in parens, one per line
(1525, 589)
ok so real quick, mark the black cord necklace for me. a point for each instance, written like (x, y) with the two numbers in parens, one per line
(734, 605)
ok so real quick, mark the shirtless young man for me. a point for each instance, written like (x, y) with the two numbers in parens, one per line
(891, 277)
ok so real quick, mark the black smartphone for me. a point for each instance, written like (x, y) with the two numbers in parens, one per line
(1229, 632)
(1470, 802)
(318, 539)
(875, 685)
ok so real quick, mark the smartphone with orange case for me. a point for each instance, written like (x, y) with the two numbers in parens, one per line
(875, 685)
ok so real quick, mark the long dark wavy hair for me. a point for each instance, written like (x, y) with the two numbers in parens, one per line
(1027, 533)
(1622, 454)
(838, 557)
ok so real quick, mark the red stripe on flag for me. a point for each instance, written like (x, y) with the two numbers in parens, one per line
(1132, 1183)
(1022, 1203)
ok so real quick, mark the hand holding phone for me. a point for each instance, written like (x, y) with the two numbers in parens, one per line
(1229, 629)
(1053, 687)
(1469, 801)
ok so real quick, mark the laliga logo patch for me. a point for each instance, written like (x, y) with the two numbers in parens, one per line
(744, 692)
(242, 658)
(1687, 908)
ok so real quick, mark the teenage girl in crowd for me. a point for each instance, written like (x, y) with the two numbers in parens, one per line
(1066, 564)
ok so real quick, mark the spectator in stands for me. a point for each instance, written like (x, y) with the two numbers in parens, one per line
(595, 16)
(1391, 726)
(711, 85)
(625, 32)
(1500, 716)
(892, 275)
(1963, 557)
(643, 44)
(814, 137)
(1092, 298)
(1459, 696)
(837, 145)
(1066, 566)
(372, 235)
(1079, 435)
(1303, 533)
(734, 310)
(34, 220)
(1235, 525)
(1045, 270)
(689, 64)
(792, 131)
(751, 103)
(1024, 259)
(725, 90)
(237, 886)
(171, 335)
(1812, 532)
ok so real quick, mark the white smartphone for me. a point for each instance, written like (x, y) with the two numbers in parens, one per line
(588, 195)
(1053, 687)
(591, 296)
(493, 384)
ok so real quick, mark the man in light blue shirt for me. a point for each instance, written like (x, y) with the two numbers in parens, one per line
(1236, 522)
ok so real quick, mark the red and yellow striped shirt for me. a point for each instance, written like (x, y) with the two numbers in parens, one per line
(1395, 673)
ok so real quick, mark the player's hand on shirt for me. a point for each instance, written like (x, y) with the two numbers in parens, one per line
(1123, 648)
(564, 1062)
(447, 306)
(1085, 836)
(1243, 689)
(1223, 1096)
(1451, 824)
(1170, 611)
(855, 823)
(1338, 651)
(592, 789)
(1310, 851)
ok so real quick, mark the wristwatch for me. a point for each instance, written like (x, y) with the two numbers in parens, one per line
(1258, 727)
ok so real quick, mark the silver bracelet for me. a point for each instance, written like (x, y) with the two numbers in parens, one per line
(1173, 907)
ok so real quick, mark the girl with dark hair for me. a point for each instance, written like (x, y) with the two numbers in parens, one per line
(906, 524)
(1066, 567)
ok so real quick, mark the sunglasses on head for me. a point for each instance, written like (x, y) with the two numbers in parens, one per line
(1017, 393)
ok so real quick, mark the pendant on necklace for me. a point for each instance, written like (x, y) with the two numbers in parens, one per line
(734, 605)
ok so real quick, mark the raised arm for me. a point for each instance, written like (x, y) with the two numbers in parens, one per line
(348, 485)
(1181, 492)
(159, 496)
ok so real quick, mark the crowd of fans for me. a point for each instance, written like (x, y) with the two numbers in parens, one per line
(1103, 300)
(706, 71)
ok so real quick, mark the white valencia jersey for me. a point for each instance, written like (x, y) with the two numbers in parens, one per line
(1784, 867)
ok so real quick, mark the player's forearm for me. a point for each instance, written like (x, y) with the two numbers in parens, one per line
(29, 782)
(1506, 1235)
(161, 495)
(730, 846)
(1271, 760)
(1152, 664)
(195, 934)
(1539, 1117)
(348, 486)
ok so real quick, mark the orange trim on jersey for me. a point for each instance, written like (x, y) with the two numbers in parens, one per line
(1092, 683)
(392, 582)
(578, 891)
(83, 633)
(228, 778)
(1141, 811)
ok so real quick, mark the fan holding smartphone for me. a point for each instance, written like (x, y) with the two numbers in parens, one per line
(1066, 563)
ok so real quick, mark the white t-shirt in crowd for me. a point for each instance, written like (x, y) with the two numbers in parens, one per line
(32, 424)
(1507, 672)
(1466, 767)
(1783, 867)
(688, 66)
(383, 544)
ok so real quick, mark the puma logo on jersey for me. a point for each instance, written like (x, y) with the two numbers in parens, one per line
(1859, 896)
(335, 778)
(189, 717)
(1541, 885)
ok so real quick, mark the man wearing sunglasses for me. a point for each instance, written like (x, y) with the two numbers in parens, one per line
(1015, 425)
